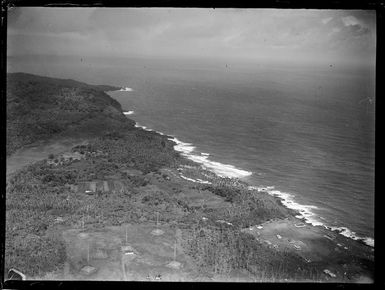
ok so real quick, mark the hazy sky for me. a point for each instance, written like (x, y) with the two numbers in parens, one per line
(268, 34)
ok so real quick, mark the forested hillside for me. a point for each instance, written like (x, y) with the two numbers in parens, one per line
(40, 107)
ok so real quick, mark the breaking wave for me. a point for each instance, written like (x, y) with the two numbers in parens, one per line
(305, 213)
(226, 170)
(125, 89)
(222, 170)
(187, 150)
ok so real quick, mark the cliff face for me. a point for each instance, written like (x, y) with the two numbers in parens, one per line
(42, 107)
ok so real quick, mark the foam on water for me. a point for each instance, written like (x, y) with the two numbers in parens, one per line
(198, 180)
(125, 89)
(225, 170)
(187, 150)
(222, 170)
(187, 178)
(352, 235)
(147, 129)
(203, 181)
(306, 214)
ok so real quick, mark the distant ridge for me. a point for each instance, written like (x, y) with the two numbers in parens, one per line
(57, 81)
(40, 107)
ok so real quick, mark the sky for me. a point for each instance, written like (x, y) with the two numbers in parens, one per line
(300, 35)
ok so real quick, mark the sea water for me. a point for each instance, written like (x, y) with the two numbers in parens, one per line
(304, 134)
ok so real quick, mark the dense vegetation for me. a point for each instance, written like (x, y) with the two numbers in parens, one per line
(41, 107)
(125, 165)
(225, 250)
(39, 194)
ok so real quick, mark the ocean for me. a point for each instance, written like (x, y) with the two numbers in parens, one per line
(304, 134)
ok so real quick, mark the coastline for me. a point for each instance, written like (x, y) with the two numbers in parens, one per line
(304, 212)
(297, 231)
(128, 178)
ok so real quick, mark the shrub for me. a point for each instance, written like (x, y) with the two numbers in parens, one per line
(222, 250)
(228, 192)
(34, 255)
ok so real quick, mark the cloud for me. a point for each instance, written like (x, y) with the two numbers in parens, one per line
(336, 30)
(350, 21)
(51, 20)
(354, 27)
(246, 33)
(326, 20)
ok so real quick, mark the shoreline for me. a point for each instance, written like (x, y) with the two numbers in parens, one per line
(110, 191)
(304, 211)
(315, 244)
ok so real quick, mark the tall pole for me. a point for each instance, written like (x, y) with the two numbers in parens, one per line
(88, 253)
(126, 235)
(175, 251)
